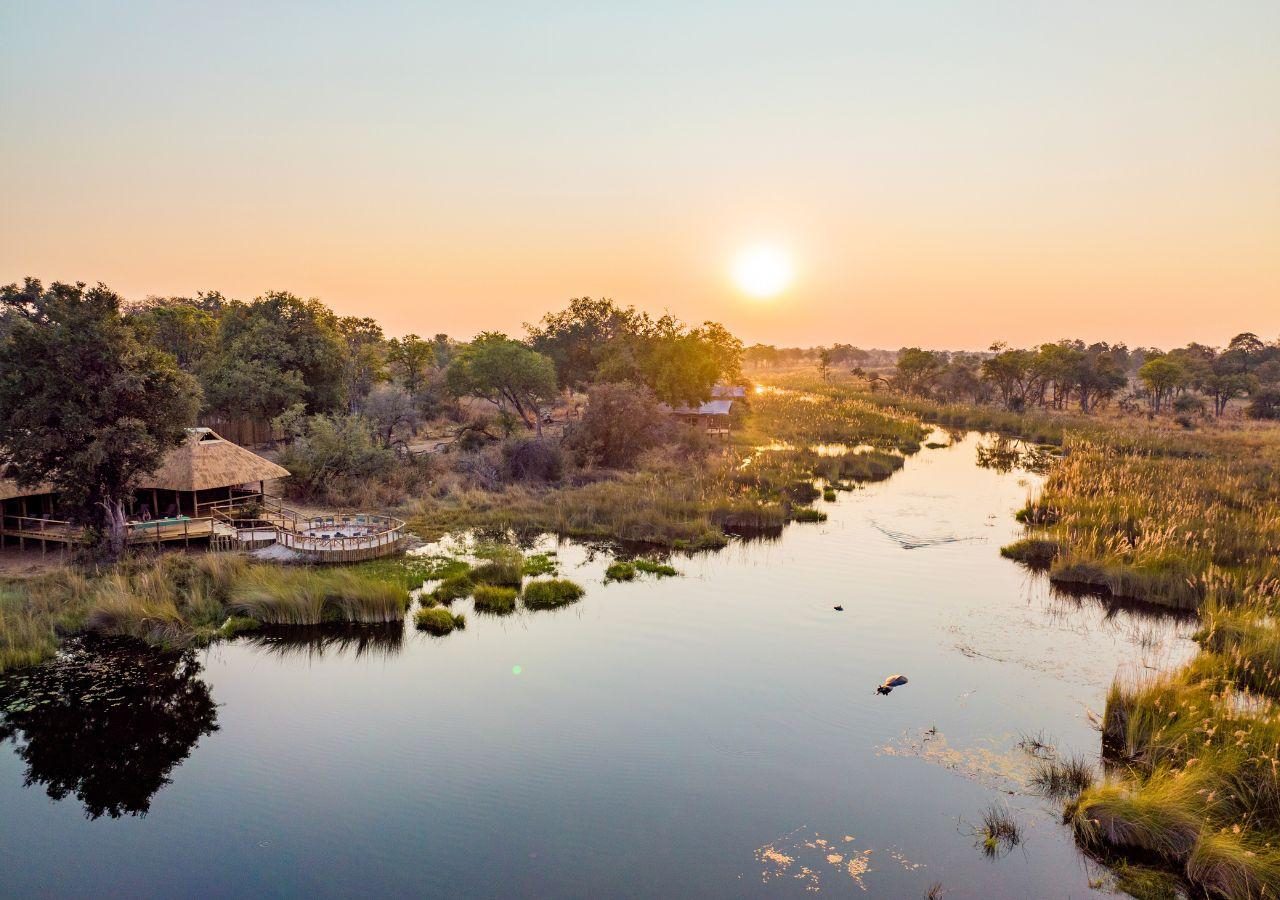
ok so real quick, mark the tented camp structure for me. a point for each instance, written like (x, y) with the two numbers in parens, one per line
(206, 490)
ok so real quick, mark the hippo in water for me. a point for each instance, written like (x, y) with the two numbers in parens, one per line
(890, 683)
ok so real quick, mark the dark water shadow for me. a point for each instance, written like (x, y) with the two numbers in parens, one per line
(106, 721)
(374, 640)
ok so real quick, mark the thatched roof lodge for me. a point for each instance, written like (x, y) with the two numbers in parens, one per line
(211, 491)
(203, 472)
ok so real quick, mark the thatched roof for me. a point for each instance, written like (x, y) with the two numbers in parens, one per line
(9, 488)
(206, 460)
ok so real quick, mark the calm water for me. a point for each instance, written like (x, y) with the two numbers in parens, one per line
(714, 735)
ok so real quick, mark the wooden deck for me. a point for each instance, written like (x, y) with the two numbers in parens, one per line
(336, 538)
(159, 531)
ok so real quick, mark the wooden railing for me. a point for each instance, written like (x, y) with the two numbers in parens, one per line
(155, 531)
(319, 536)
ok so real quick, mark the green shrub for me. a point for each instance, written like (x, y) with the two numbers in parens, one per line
(551, 593)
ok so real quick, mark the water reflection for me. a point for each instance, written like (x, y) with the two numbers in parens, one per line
(375, 641)
(1006, 454)
(106, 721)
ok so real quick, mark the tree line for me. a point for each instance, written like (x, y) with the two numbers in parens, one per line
(95, 390)
(1193, 379)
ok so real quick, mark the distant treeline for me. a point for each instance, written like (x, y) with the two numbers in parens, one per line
(1187, 380)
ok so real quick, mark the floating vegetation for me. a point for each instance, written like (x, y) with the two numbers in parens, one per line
(493, 598)
(410, 570)
(551, 593)
(809, 857)
(538, 564)
(829, 494)
(437, 620)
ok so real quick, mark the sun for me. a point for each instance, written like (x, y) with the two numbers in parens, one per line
(762, 271)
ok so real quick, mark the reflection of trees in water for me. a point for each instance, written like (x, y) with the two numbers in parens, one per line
(1005, 454)
(374, 640)
(107, 720)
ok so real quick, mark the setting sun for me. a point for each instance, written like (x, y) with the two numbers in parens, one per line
(762, 271)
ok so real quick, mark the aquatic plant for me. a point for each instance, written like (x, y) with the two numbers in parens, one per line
(551, 593)
(1062, 778)
(807, 514)
(303, 596)
(999, 832)
(539, 564)
(661, 570)
(437, 620)
(455, 587)
(503, 565)
(494, 598)
(620, 571)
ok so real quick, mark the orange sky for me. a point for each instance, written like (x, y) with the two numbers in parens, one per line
(942, 174)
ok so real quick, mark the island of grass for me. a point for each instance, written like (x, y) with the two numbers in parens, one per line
(551, 593)
(437, 620)
(494, 598)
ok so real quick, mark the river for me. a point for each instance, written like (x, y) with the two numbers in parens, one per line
(717, 734)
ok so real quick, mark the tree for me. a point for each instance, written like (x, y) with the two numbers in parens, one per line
(582, 336)
(390, 410)
(824, 363)
(409, 358)
(1161, 375)
(363, 361)
(498, 369)
(282, 336)
(621, 422)
(1014, 375)
(916, 369)
(84, 405)
(186, 329)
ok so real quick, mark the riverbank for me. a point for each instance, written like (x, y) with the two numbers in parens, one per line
(181, 600)
(1187, 519)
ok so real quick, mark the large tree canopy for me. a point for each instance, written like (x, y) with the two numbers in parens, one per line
(84, 405)
(503, 371)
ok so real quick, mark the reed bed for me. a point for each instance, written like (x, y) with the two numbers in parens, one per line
(1190, 522)
(438, 621)
(179, 600)
(493, 598)
(551, 593)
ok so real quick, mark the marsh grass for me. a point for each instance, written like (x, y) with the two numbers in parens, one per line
(455, 587)
(493, 598)
(539, 564)
(807, 514)
(620, 571)
(305, 596)
(437, 620)
(661, 570)
(181, 600)
(411, 571)
(1062, 778)
(999, 831)
(551, 593)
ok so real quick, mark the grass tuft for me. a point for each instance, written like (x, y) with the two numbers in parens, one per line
(551, 593)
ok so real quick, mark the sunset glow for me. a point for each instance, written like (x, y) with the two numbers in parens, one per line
(763, 271)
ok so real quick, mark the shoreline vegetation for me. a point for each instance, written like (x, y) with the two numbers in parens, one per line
(1189, 519)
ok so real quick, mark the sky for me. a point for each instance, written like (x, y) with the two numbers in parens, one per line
(939, 174)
